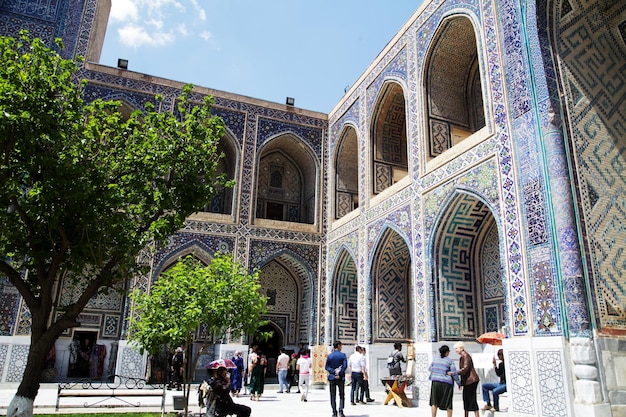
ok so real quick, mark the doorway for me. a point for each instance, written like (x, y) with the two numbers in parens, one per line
(86, 356)
(269, 348)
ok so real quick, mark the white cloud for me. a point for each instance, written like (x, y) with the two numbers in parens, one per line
(135, 36)
(123, 11)
(156, 22)
(182, 29)
(201, 12)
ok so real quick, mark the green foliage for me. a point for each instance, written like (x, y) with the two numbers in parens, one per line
(222, 296)
(83, 190)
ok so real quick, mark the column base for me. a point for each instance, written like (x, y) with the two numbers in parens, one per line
(592, 410)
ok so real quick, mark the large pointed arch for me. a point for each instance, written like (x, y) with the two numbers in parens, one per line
(289, 280)
(467, 272)
(344, 299)
(391, 288)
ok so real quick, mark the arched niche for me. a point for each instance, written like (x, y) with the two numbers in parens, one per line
(344, 299)
(287, 181)
(346, 173)
(453, 90)
(389, 138)
(391, 289)
(222, 202)
(469, 293)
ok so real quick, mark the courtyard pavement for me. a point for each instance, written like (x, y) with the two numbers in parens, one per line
(271, 404)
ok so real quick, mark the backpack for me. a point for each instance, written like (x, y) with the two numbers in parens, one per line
(391, 361)
(211, 402)
(202, 393)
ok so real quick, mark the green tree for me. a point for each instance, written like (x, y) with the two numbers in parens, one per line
(218, 298)
(83, 191)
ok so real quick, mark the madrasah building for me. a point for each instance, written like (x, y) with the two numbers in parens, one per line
(473, 179)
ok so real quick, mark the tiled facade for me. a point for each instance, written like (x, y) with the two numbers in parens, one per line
(486, 192)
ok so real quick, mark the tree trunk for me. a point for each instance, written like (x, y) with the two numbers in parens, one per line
(22, 403)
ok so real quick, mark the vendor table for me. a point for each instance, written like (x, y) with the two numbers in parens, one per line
(395, 390)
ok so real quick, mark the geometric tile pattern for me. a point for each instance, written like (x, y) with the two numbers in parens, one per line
(520, 383)
(552, 383)
(596, 85)
(9, 303)
(384, 177)
(269, 128)
(391, 130)
(19, 354)
(111, 329)
(457, 276)
(491, 267)
(38, 17)
(482, 181)
(492, 319)
(131, 361)
(4, 349)
(492, 285)
(440, 138)
(282, 308)
(346, 300)
(391, 288)
(24, 320)
(421, 374)
(295, 266)
(344, 203)
(71, 290)
(514, 73)
(450, 97)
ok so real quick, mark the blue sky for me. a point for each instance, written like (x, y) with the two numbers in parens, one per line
(309, 50)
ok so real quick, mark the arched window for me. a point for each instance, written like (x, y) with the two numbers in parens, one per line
(390, 161)
(347, 173)
(453, 89)
(287, 181)
(222, 202)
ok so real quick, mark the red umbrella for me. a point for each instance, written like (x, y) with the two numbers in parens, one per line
(222, 363)
(493, 338)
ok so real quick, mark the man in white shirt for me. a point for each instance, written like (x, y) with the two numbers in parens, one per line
(282, 366)
(358, 368)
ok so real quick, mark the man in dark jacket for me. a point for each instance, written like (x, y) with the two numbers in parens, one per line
(336, 365)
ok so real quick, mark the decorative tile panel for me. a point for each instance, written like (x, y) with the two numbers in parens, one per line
(17, 362)
(552, 383)
(520, 382)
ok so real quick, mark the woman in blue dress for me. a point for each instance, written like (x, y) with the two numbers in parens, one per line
(236, 376)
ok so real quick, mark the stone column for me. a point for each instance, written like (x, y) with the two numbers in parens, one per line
(589, 401)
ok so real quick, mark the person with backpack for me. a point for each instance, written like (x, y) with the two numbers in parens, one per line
(394, 360)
